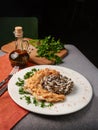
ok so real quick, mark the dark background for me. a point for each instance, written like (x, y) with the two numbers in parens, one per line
(71, 21)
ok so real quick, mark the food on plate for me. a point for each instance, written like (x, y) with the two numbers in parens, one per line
(49, 85)
(57, 84)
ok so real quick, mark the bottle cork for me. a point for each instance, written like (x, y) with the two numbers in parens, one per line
(18, 31)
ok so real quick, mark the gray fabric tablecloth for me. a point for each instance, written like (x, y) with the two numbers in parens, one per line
(84, 119)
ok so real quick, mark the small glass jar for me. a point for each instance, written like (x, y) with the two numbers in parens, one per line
(19, 56)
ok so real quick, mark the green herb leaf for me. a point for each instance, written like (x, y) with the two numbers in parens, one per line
(35, 101)
(28, 99)
(20, 82)
(30, 73)
(21, 91)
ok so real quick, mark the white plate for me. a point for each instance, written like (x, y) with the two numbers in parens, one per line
(76, 100)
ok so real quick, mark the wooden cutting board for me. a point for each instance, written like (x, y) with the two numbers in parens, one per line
(33, 55)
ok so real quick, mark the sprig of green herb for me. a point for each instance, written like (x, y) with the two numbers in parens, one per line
(21, 91)
(42, 104)
(20, 82)
(27, 98)
(30, 73)
(33, 100)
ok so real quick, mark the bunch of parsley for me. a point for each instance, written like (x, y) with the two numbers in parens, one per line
(48, 48)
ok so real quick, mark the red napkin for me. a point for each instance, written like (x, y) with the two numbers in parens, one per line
(10, 112)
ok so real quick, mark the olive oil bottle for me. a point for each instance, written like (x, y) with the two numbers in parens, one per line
(19, 56)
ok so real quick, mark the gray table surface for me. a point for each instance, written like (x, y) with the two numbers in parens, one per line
(84, 119)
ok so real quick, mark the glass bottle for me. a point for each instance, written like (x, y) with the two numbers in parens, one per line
(19, 56)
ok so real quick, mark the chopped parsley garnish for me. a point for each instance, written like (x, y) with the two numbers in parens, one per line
(30, 73)
(33, 100)
(20, 82)
(21, 91)
(28, 98)
(41, 103)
